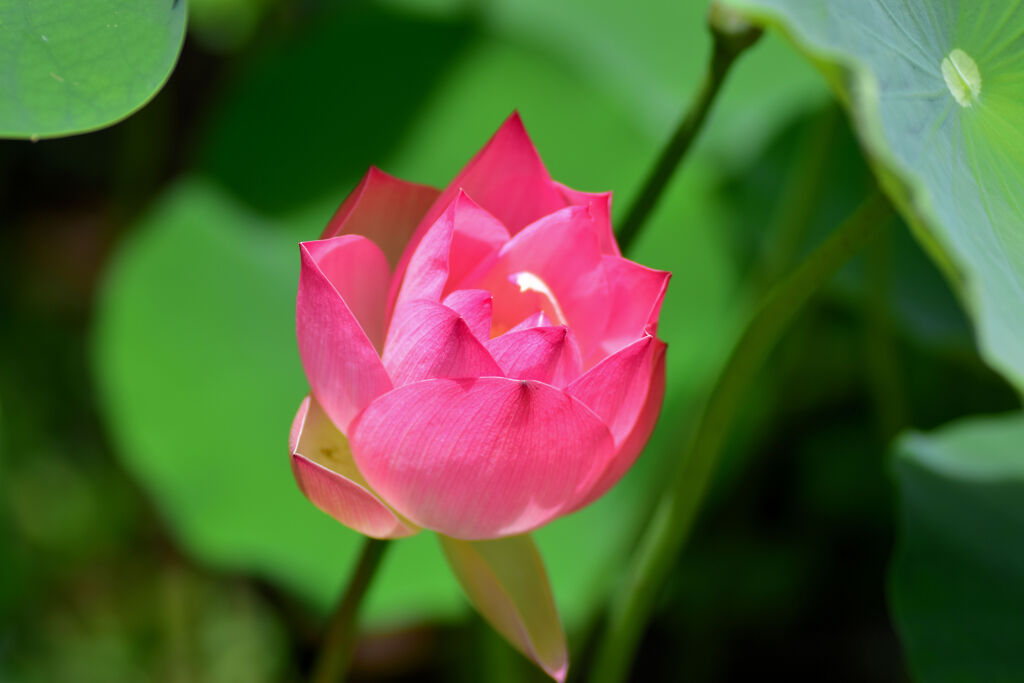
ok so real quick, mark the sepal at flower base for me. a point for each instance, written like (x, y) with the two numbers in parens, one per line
(507, 584)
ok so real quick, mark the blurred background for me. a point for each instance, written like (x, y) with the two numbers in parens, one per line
(150, 528)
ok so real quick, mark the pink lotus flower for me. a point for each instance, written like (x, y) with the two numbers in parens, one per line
(482, 361)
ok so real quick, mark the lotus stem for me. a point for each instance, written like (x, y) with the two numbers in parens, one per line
(731, 36)
(673, 520)
(335, 653)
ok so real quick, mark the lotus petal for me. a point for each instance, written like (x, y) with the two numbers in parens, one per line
(546, 354)
(480, 458)
(431, 340)
(339, 277)
(385, 209)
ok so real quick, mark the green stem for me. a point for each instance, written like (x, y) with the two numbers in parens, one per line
(801, 194)
(336, 649)
(730, 39)
(673, 520)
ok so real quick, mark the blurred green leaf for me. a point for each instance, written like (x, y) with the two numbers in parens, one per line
(224, 25)
(934, 90)
(71, 67)
(957, 578)
(195, 354)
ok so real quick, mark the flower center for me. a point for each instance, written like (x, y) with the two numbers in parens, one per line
(528, 282)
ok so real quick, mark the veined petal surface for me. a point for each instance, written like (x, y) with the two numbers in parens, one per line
(338, 355)
(480, 458)
(430, 340)
(461, 238)
(384, 209)
(476, 307)
(632, 444)
(546, 354)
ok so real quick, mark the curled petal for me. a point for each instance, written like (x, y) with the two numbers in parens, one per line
(384, 209)
(475, 306)
(480, 458)
(632, 445)
(462, 237)
(358, 271)
(546, 354)
(327, 475)
(431, 340)
(507, 584)
(636, 293)
(337, 352)
(600, 204)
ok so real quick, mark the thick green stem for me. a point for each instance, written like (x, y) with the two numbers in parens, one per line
(336, 649)
(673, 520)
(730, 39)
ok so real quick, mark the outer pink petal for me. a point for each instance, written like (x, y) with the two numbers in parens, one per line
(480, 458)
(358, 271)
(384, 209)
(327, 475)
(633, 444)
(636, 294)
(561, 250)
(617, 387)
(431, 340)
(475, 306)
(340, 361)
(546, 354)
(600, 204)
(507, 178)
(506, 582)
(462, 237)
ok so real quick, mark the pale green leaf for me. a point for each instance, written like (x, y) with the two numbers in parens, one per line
(506, 582)
(934, 89)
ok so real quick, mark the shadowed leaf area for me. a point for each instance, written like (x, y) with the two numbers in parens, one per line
(957, 577)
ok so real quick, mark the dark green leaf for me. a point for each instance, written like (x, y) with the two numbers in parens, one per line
(957, 578)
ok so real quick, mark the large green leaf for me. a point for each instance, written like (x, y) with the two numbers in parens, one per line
(957, 579)
(71, 67)
(934, 88)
